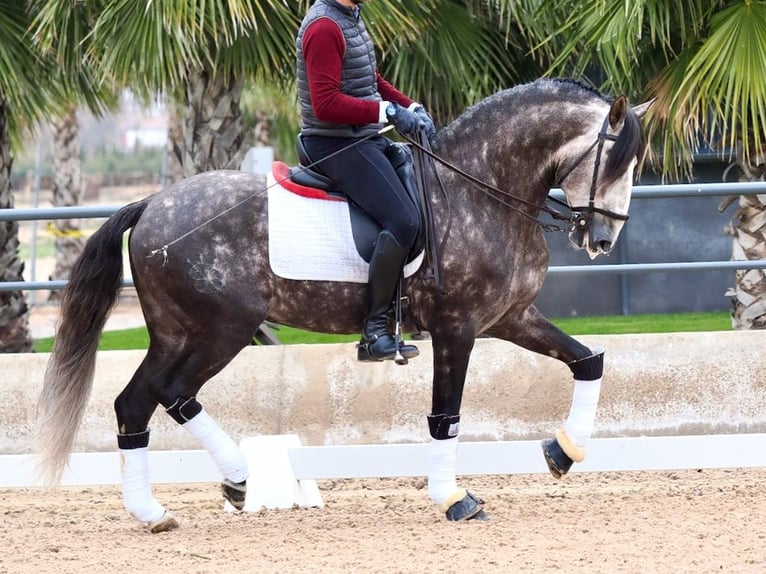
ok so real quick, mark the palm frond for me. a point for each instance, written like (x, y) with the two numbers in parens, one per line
(462, 54)
(24, 71)
(713, 95)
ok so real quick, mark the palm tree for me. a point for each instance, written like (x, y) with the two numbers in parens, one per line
(23, 99)
(199, 57)
(749, 291)
(451, 54)
(61, 32)
(704, 63)
(67, 191)
(14, 314)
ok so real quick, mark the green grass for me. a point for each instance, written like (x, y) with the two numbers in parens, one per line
(290, 336)
(665, 323)
(607, 325)
(136, 338)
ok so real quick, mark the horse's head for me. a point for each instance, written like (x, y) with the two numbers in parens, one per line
(597, 176)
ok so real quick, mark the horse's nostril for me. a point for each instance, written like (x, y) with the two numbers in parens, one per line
(604, 246)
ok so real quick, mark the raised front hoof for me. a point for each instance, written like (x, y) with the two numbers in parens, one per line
(557, 460)
(234, 493)
(384, 349)
(164, 524)
(469, 507)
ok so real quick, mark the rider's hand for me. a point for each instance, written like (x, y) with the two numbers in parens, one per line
(406, 122)
(428, 121)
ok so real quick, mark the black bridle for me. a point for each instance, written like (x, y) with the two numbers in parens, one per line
(580, 217)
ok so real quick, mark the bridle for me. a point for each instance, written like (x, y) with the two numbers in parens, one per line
(580, 218)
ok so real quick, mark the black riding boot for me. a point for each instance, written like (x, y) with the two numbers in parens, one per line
(378, 344)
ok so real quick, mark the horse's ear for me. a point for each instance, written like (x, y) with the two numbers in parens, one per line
(618, 111)
(641, 109)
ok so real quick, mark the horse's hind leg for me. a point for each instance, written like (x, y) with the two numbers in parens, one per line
(534, 332)
(134, 407)
(172, 378)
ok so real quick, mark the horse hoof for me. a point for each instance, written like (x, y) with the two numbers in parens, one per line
(557, 460)
(467, 508)
(164, 524)
(234, 492)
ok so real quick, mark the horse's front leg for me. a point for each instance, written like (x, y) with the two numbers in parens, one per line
(452, 350)
(534, 332)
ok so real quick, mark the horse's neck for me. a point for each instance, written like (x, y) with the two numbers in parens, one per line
(505, 170)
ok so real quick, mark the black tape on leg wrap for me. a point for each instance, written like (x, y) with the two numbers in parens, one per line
(184, 409)
(133, 440)
(443, 426)
(589, 368)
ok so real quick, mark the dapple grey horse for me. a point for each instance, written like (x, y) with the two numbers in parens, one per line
(199, 254)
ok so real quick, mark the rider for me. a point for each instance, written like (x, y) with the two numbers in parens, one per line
(343, 101)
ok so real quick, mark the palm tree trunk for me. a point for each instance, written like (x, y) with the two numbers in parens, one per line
(67, 192)
(212, 134)
(174, 170)
(14, 313)
(748, 227)
(262, 129)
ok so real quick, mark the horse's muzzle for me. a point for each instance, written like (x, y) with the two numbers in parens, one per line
(594, 240)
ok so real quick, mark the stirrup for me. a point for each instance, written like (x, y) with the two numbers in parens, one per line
(392, 349)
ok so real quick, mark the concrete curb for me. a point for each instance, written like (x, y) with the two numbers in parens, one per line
(668, 384)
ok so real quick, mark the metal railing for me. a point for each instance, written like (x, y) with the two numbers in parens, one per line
(639, 192)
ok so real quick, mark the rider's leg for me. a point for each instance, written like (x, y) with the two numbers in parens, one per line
(366, 175)
(377, 342)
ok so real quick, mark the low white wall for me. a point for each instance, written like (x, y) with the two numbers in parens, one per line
(682, 383)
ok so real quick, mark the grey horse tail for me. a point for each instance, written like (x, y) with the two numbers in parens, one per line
(85, 305)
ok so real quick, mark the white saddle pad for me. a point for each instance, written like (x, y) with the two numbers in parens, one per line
(310, 239)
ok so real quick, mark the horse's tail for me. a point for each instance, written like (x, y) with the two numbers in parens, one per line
(85, 305)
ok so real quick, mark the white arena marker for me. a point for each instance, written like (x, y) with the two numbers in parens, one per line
(272, 483)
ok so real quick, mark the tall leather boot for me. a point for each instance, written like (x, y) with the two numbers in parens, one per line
(378, 344)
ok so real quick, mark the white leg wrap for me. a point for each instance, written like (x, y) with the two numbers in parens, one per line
(223, 450)
(582, 416)
(136, 489)
(441, 470)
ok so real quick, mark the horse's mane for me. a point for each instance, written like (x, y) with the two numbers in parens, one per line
(630, 141)
(579, 85)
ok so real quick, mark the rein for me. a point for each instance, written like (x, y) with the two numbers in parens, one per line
(579, 218)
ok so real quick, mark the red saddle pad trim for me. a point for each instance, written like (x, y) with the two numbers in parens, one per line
(282, 175)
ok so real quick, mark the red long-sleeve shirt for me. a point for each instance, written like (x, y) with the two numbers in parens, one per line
(323, 49)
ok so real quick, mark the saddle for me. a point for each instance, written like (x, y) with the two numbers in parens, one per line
(365, 229)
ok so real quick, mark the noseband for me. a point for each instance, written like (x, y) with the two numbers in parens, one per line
(582, 216)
